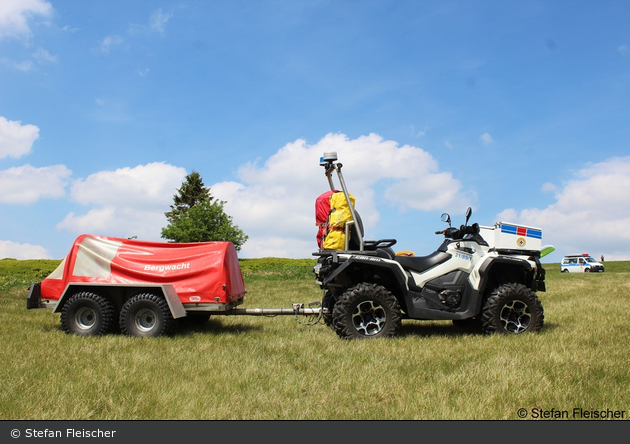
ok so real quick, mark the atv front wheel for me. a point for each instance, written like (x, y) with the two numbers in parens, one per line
(366, 311)
(146, 315)
(512, 308)
(88, 314)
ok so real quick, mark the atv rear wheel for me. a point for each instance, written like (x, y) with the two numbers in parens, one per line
(146, 315)
(328, 303)
(512, 308)
(366, 311)
(88, 314)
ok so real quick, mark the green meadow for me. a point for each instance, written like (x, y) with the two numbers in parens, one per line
(267, 368)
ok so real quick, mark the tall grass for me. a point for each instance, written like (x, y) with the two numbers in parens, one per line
(242, 367)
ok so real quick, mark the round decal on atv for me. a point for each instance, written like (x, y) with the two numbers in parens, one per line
(520, 241)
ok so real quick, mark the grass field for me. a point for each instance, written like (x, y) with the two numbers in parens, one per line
(243, 367)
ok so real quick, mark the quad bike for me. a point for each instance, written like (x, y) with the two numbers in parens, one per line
(481, 277)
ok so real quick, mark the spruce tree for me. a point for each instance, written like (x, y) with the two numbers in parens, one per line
(196, 216)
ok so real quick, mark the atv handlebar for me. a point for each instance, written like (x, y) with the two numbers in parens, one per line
(454, 233)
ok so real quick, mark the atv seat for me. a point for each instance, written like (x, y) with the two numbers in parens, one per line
(422, 263)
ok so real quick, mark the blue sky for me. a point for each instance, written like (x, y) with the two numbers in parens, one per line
(518, 109)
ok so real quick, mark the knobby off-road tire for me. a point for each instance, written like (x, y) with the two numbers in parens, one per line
(146, 315)
(366, 311)
(88, 314)
(512, 308)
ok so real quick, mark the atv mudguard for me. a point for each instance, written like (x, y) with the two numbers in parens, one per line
(372, 263)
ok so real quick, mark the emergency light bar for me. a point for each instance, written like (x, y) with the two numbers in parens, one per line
(328, 158)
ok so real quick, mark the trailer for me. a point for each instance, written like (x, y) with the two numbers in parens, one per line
(142, 287)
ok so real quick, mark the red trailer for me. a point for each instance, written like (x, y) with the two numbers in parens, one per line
(142, 286)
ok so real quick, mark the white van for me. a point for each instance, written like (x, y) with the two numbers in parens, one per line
(580, 263)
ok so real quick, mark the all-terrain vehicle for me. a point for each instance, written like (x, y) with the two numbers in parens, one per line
(483, 277)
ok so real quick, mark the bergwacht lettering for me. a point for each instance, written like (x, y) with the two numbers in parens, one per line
(162, 268)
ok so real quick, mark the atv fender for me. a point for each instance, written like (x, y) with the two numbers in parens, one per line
(496, 270)
(374, 264)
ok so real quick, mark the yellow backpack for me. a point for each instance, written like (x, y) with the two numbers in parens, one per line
(339, 215)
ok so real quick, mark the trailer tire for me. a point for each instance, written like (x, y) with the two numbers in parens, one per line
(88, 314)
(512, 308)
(367, 311)
(146, 315)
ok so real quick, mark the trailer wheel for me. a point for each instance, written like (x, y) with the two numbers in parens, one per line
(146, 315)
(512, 308)
(367, 311)
(88, 314)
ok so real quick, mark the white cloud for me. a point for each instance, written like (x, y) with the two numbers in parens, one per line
(117, 221)
(145, 186)
(16, 139)
(415, 133)
(67, 28)
(486, 139)
(624, 50)
(43, 55)
(277, 199)
(109, 42)
(15, 250)
(15, 16)
(158, 20)
(128, 201)
(24, 66)
(27, 184)
(157, 23)
(591, 213)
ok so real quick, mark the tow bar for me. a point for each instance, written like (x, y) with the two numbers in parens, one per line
(313, 312)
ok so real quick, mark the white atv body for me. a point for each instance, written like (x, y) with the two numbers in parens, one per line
(490, 284)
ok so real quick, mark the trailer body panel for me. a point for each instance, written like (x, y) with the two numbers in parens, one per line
(194, 273)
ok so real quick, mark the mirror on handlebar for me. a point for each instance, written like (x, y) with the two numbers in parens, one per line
(468, 214)
(446, 218)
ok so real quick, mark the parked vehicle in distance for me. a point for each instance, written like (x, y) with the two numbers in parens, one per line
(580, 263)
